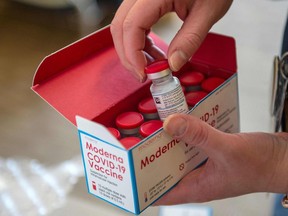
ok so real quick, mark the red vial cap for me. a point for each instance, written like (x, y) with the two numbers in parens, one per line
(129, 142)
(129, 120)
(193, 98)
(147, 105)
(211, 83)
(191, 78)
(114, 132)
(157, 66)
(150, 127)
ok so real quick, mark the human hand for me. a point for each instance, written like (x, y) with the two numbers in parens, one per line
(134, 19)
(237, 163)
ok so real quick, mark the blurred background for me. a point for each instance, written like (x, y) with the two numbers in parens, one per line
(29, 128)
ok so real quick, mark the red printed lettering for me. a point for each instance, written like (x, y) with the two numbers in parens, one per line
(105, 162)
(160, 151)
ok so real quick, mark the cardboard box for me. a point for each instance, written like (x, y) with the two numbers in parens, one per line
(87, 84)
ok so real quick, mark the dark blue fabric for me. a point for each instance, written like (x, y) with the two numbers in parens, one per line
(285, 39)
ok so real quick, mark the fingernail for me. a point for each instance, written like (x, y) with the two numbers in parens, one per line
(175, 126)
(142, 78)
(177, 60)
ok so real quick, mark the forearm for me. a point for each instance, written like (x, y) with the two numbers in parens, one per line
(279, 178)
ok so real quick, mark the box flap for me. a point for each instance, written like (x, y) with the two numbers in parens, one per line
(97, 130)
(87, 79)
(217, 51)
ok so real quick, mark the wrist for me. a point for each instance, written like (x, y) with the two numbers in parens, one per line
(279, 178)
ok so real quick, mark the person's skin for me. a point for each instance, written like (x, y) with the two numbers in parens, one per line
(134, 19)
(238, 163)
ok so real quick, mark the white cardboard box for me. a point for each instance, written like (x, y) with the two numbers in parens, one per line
(86, 83)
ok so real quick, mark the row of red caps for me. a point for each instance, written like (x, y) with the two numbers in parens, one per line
(196, 86)
(133, 126)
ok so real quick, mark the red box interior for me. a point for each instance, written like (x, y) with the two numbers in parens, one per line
(87, 79)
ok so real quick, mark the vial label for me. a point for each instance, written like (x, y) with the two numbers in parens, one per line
(170, 102)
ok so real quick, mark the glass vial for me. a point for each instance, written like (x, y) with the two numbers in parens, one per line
(211, 83)
(194, 97)
(128, 123)
(129, 142)
(148, 109)
(149, 127)
(192, 80)
(114, 132)
(165, 89)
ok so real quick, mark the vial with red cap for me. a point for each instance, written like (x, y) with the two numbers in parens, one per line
(129, 142)
(211, 83)
(148, 109)
(149, 127)
(166, 89)
(114, 132)
(192, 80)
(128, 123)
(194, 97)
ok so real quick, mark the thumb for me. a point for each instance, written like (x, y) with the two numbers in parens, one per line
(198, 20)
(194, 131)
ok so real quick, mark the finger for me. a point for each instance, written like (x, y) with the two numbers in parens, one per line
(135, 28)
(116, 29)
(187, 41)
(197, 23)
(194, 131)
(153, 50)
(151, 53)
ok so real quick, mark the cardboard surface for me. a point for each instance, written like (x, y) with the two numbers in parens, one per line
(87, 79)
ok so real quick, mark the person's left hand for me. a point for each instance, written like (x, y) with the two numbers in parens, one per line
(237, 163)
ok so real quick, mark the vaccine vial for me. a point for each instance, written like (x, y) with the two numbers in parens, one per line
(149, 127)
(191, 80)
(128, 123)
(129, 142)
(194, 97)
(211, 83)
(148, 109)
(114, 132)
(165, 89)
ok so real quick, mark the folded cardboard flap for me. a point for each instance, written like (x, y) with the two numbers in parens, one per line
(217, 52)
(87, 79)
(91, 128)
(72, 54)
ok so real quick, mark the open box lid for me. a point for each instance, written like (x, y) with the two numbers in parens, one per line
(86, 78)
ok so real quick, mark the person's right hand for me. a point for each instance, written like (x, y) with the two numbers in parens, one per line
(134, 19)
